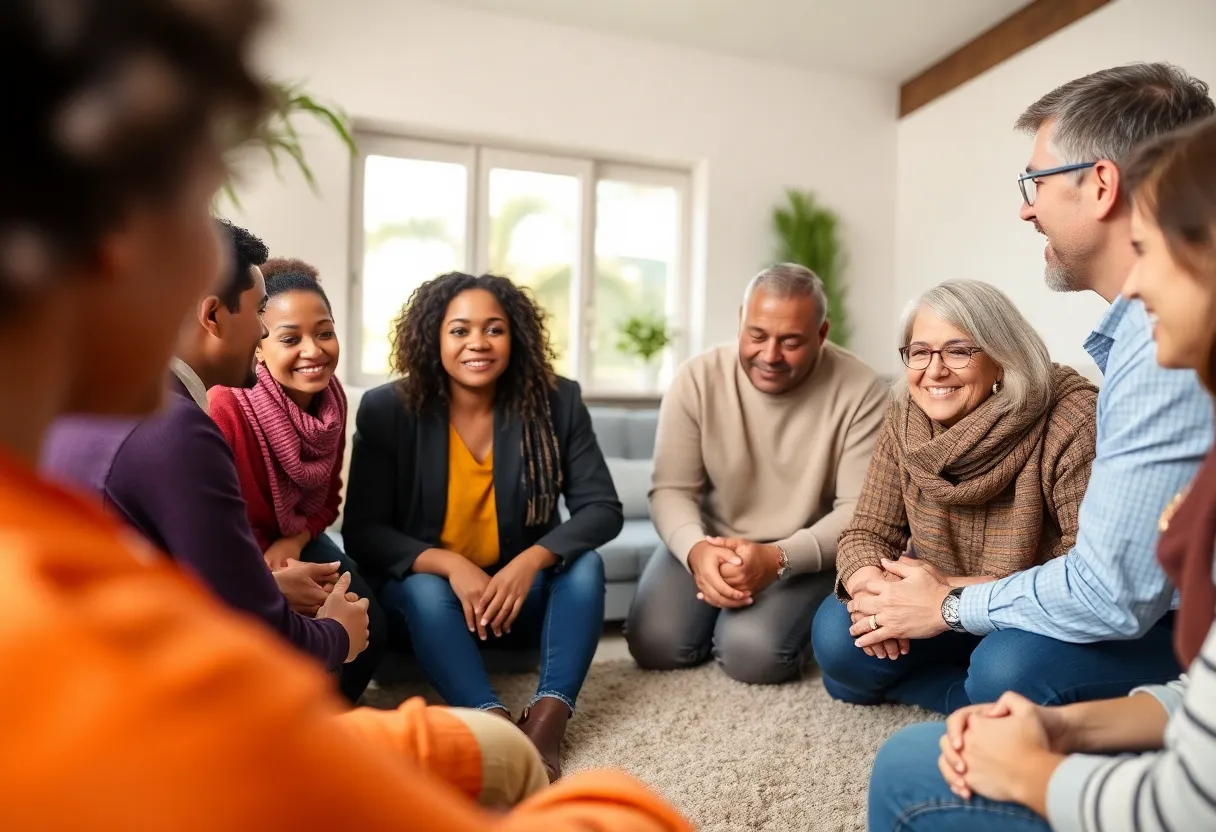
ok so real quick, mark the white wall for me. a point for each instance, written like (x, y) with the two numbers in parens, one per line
(957, 199)
(749, 129)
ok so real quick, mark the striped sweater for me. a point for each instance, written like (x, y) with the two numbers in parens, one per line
(1172, 790)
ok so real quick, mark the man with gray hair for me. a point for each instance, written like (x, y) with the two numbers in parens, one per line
(761, 451)
(1096, 621)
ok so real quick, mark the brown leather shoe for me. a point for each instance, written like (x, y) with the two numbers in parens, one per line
(545, 724)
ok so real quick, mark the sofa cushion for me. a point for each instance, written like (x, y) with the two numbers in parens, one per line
(632, 480)
(625, 432)
(625, 556)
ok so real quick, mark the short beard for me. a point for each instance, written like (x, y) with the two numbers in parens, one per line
(251, 378)
(1062, 276)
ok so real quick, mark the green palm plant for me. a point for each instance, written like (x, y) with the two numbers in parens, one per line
(809, 234)
(644, 335)
(279, 137)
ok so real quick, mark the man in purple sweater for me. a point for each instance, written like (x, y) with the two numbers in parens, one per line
(172, 477)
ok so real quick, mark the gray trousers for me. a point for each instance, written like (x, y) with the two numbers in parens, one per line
(762, 644)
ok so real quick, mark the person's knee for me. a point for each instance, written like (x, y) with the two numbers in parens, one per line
(849, 675)
(751, 654)
(905, 772)
(585, 575)
(657, 639)
(830, 640)
(511, 767)
(1007, 661)
(418, 595)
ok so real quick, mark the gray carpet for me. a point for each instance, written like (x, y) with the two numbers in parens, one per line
(730, 756)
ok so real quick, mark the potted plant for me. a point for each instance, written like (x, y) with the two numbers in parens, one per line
(645, 336)
(809, 234)
(278, 136)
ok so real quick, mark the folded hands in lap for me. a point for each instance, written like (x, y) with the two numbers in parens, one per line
(1005, 750)
(492, 603)
(306, 585)
(892, 648)
(906, 608)
(729, 572)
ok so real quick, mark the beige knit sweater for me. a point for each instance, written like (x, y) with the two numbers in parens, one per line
(992, 495)
(733, 461)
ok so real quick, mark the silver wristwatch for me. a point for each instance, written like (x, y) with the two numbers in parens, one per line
(783, 567)
(950, 610)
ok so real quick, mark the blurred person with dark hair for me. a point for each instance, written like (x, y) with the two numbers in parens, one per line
(119, 116)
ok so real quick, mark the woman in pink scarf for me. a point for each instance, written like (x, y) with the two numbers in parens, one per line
(288, 434)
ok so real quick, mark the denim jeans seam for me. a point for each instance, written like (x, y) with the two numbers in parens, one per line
(905, 817)
(552, 694)
(491, 706)
(546, 641)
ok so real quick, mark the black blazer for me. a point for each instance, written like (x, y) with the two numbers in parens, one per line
(397, 493)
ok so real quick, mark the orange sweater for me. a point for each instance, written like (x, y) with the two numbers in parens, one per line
(143, 703)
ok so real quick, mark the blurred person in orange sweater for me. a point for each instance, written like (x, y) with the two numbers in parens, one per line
(141, 701)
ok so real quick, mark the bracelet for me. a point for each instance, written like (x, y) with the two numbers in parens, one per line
(783, 566)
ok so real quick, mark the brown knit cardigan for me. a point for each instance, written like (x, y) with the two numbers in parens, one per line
(991, 495)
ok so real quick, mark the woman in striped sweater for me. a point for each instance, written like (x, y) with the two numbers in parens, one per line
(288, 434)
(1012, 765)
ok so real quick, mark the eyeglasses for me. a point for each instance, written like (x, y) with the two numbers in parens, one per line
(919, 358)
(1026, 180)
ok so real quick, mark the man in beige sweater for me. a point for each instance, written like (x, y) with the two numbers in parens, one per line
(761, 452)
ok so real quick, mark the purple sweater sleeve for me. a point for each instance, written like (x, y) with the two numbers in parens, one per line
(177, 474)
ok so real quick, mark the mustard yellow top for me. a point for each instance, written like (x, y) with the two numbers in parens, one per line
(470, 527)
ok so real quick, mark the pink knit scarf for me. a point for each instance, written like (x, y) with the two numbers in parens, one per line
(300, 450)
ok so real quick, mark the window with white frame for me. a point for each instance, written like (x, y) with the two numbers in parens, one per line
(597, 243)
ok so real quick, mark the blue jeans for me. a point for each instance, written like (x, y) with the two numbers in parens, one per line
(354, 676)
(563, 613)
(951, 670)
(908, 794)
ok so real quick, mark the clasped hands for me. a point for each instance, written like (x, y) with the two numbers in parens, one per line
(492, 603)
(305, 585)
(1005, 750)
(729, 572)
(890, 605)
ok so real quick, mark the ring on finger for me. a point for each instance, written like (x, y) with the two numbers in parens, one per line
(874, 621)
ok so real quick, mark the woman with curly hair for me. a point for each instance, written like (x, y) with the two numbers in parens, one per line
(456, 471)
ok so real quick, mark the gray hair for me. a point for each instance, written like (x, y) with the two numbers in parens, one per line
(787, 280)
(990, 318)
(1107, 114)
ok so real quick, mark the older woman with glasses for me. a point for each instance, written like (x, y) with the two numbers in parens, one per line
(978, 473)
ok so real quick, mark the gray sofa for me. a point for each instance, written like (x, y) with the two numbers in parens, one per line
(626, 437)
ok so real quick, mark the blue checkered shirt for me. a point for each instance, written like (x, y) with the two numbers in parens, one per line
(1154, 427)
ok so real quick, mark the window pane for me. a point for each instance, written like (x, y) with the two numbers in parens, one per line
(637, 230)
(414, 217)
(534, 223)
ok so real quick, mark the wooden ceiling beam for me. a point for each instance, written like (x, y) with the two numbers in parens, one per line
(1021, 30)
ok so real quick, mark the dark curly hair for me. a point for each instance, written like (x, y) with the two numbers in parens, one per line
(523, 389)
(248, 251)
(291, 274)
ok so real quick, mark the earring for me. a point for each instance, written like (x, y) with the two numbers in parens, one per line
(996, 387)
